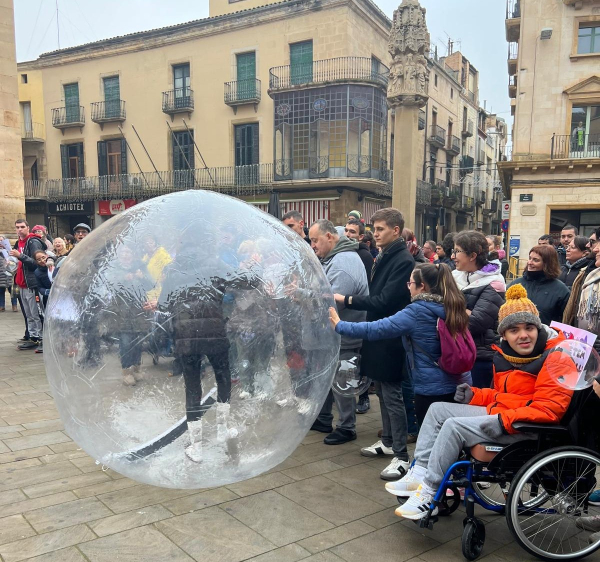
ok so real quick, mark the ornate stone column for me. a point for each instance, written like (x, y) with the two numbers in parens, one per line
(12, 195)
(408, 90)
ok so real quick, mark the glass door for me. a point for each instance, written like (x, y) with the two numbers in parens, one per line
(181, 85)
(246, 154)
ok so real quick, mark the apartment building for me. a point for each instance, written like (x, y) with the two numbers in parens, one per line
(553, 177)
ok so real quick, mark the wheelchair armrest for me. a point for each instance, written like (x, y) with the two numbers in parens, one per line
(527, 427)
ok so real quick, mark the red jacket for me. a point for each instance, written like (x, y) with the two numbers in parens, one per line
(529, 393)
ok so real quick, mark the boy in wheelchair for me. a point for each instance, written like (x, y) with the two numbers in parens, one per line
(525, 389)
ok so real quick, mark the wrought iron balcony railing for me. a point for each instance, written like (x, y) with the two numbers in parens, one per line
(575, 145)
(481, 197)
(69, 116)
(32, 132)
(240, 92)
(453, 145)
(467, 204)
(468, 128)
(179, 100)
(107, 111)
(513, 9)
(341, 69)
(423, 193)
(437, 136)
(347, 166)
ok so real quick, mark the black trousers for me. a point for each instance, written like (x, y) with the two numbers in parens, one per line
(191, 365)
(423, 401)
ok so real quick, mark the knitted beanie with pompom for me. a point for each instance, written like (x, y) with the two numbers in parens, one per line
(517, 309)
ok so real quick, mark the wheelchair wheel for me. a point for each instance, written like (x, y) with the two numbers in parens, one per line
(473, 538)
(547, 509)
(491, 492)
(449, 503)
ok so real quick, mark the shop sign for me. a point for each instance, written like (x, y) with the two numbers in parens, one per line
(39, 207)
(115, 206)
(505, 209)
(85, 208)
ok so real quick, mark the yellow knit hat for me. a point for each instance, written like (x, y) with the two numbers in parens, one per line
(517, 309)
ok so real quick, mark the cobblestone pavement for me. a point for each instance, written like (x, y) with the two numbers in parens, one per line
(323, 504)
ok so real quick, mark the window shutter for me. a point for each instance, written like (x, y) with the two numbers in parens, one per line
(64, 160)
(102, 163)
(123, 156)
(80, 168)
(254, 143)
(238, 145)
(190, 148)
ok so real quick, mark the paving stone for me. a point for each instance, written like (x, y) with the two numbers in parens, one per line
(11, 496)
(66, 555)
(338, 535)
(311, 469)
(259, 484)
(41, 544)
(138, 545)
(276, 518)
(25, 454)
(61, 457)
(140, 496)
(51, 438)
(382, 519)
(202, 500)
(326, 556)
(201, 534)
(66, 514)
(87, 464)
(67, 446)
(288, 553)
(129, 520)
(10, 467)
(98, 489)
(37, 503)
(329, 500)
(10, 431)
(14, 528)
(37, 474)
(27, 397)
(64, 484)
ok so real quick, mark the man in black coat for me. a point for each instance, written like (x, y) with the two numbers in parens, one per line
(355, 230)
(382, 361)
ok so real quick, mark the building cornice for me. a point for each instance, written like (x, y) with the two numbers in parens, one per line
(197, 29)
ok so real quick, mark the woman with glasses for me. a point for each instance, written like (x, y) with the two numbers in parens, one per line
(578, 258)
(483, 287)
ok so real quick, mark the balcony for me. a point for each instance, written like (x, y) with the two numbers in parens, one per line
(453, 147)
(423, 193)
(467, 204)
(331, 167)
(480, 157)
(422, 119)
(513, 20)
(67, 117)
(468, 128)
(111, 111)
(242, 92)
(492, 209)
(575, 146)
(512, 86)
(437, 136)
(322, 72)
(513, 56)
(180, 100)
(32, 132)
(481, 198)
(437, 196)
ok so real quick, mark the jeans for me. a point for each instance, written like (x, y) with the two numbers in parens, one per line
(482, 374)
(393, 417)
(13, 300)
(130, 349)
(30, 307)
(446, 430)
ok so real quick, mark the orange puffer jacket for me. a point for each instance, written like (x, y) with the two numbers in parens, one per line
(529, 393)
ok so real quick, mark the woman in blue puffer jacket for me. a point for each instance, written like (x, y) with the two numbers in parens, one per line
(434, 296)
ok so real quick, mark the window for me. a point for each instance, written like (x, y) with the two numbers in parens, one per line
(451, 93)
(27, 124)
(112, 157)
(71, 156)
(375, 67)
(181, 85)
(71, 92)
(585, 131)
(435, 80)
(246, 75)
(301, 62)
(183, 150)
(23, 78)
(246, 144)
(112, 96)
(589, 38)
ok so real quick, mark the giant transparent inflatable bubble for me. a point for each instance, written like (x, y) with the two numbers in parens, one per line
(187, 341)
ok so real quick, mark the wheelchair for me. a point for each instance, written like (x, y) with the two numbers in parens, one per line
(542, 487)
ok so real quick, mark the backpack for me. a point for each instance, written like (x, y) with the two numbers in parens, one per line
(458, 354)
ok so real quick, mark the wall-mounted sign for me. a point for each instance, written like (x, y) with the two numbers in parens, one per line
(115, 206)
(504, 225)
(505, 209)
(83, 208)
(514, 245)
(526, 197)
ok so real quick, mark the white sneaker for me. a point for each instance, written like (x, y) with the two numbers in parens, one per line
(417, 506)
(376, 450)
(589, 523)
(405, 487)
(395, 470)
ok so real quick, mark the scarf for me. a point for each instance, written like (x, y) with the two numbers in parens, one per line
(578, 264)
(570, 313)
(509, 353)
(589, 303)
(489, 274)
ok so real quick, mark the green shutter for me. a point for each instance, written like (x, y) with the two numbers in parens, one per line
(246, 75)
(301, 62)
(72, 102)
(102, 162)
(112, 96)
(246, 144)
(80, 167)
(123, 156)
(64, 160)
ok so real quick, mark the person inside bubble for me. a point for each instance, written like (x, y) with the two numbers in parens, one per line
(192, 294)
(525, 388)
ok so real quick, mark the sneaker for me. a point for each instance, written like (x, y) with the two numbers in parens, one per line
(23, 339)
(321, 427)
(376, 450)
(417, 506)
(340, 436)
(31, 344)
(395, 470)
(363, 406)
(411, 438)
(40, 347)
(594, 498)
(594, 537)
(589, 523)
(405, 487)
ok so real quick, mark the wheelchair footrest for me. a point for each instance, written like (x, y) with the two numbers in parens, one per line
(427, 522)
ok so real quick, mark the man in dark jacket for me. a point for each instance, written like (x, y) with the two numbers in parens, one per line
(382, 361)
(24, 250)
(295, 221)
(355, 230)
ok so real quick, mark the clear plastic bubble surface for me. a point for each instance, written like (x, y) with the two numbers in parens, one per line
(577, 367)
(347, 380)
(187, 341)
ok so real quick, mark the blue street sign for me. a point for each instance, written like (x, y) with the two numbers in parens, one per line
(505, 225)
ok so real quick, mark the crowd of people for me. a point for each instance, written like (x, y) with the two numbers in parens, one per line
(395, 303)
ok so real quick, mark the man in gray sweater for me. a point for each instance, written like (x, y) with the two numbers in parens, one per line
(346, 274)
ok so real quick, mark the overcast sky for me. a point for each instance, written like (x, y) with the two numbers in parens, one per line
(476, 27)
